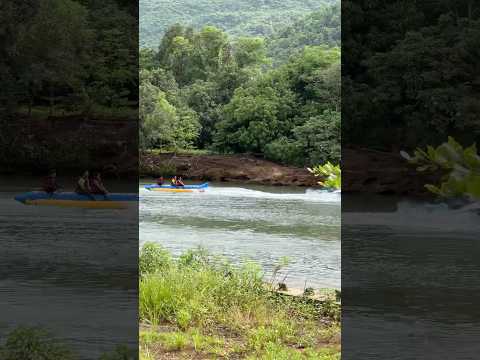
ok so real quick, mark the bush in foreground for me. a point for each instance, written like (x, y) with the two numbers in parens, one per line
(200, 304)
(28, 343)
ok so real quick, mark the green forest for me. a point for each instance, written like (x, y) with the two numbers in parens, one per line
(246, 18)
(68, 56)
(415, 81)
(276, 96)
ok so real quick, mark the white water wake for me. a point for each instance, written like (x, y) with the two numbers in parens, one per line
(308, 195)
(413, 216)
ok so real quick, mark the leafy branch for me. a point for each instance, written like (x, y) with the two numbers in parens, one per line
(331, 174)
(460, 165)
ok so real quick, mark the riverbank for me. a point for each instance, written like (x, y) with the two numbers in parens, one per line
(224, 168)
(199, 306)
(69, 143)
(370, 171)
(363, 171)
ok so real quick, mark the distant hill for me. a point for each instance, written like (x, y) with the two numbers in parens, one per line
(236, 17)
(322, 27)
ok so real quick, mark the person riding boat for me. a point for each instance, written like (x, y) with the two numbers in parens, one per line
(180, 182)
(96, 185)
(174, 181)
(50, 185)
(160, 181)
(83, 186)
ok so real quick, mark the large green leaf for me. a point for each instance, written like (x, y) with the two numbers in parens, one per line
(462, 166)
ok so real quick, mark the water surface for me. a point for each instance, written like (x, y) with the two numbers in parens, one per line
(410, 278)
(260, 223)
(70, 271)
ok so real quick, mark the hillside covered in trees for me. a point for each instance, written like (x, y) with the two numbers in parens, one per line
(64, 66)
(417, 80)
(68, 55)
(322, 27)
(246, 17)
(278, 97)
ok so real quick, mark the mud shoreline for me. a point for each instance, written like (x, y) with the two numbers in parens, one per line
(225, 168)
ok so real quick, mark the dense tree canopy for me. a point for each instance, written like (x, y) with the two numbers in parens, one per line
(318, 28)
(237, 18)
(205, 89)
(76, 54)
(415, 81)
(275, 113)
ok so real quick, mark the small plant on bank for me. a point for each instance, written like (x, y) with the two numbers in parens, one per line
(309, 291)
(153, 258)
(331, 174)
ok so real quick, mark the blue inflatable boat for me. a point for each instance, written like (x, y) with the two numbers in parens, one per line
(71, 199)
(171, 188)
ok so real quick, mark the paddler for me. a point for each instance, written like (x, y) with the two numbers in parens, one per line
(83, 186)
(50, 185)
(174, 181)
(160, 181)
(180, 182)
(96, 185)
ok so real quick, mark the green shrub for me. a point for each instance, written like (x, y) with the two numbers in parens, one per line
(184, 318)
(174, 341)
(460, 167)
(29, 343)
(153, 258)
(196, 288)
(285, 151)
(331, 174)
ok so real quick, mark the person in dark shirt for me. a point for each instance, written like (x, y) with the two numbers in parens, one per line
(96, 185)
(160, 181)
(83, 186)
(50, 185)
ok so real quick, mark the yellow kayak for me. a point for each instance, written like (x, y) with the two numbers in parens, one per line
(178, 189)
(67, 199)
(172, 190)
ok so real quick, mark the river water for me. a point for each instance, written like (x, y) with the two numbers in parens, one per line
(259, 223)
(410, 280)
(71, 271)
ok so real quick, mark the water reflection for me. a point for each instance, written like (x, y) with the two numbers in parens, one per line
(409, 280)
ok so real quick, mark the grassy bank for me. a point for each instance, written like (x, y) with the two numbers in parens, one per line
(202, 307)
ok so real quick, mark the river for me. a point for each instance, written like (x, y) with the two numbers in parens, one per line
(71, 271)
(410, 279)
(260, 223)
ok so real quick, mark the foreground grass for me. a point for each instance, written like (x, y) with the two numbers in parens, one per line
(202, 307)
